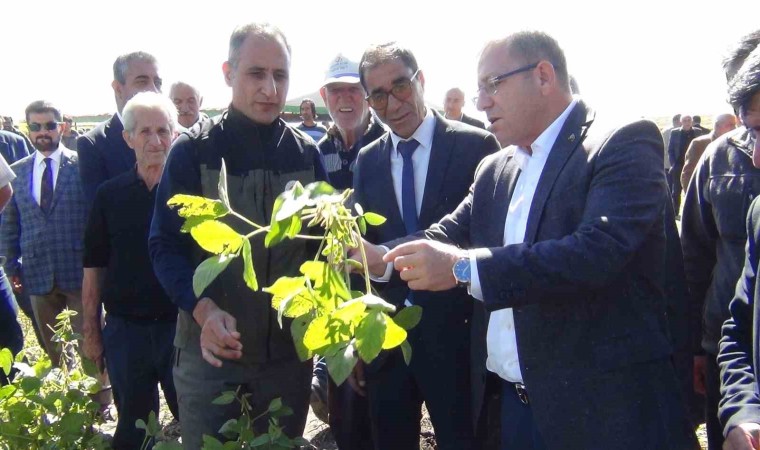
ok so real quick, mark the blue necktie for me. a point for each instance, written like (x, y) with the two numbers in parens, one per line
(408, 200)
(46, 187)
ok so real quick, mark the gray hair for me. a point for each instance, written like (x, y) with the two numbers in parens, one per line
(241, 33)
(148, 100)
(177, 84)
(121, 64)
(533, 46)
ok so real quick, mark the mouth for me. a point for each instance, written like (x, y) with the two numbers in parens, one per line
(346, 110)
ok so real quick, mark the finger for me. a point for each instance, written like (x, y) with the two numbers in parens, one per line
(403, 249)
(233, 338)
(409, 274)
(222, 352)
(355, 385)
(209, 357)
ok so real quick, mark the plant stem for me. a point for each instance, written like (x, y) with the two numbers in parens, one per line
(367, 285)
(245, 219)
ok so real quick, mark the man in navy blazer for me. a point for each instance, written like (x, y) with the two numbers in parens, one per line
(739, 355)
(413, 175)
(562, 239)
(103, 153)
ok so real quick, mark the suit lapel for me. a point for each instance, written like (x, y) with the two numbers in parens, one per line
(506, 176)
(570, 137)
(113, 131)
(440, 155)
(65, 173)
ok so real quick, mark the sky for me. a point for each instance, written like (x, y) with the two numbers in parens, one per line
(631, 59)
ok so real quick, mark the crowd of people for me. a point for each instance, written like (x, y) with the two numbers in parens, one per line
(562, 306)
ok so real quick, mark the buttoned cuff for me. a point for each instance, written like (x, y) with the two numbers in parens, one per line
(388, 270)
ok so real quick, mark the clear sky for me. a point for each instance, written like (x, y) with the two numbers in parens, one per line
(636, 58)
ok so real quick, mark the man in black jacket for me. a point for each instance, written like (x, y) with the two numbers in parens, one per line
(713, 236)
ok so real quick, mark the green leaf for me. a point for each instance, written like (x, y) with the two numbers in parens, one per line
(141, 425)
(359, 209)
(154, 428)
(340, 365)
(351, 312)
(260, 440)
(226, 398)
(293, 201)
(192, 222)
(6, 360)
(293, 228)
(370, 335)
(374, 219)
(324, 331)
(354, 263)
(406, 349)
(222, 187)
(167, 445)
(230, 429)
(193, 205)
(275, 405)
(30, 384)
(285, 287)
(298, 330)
(408, 317)
(300, 441)
(376, 303)
(207, 271)
(6, 391)
(211, 443)
(362, 225)
(280, 230)
(326, 279)
(249, 275)
(318, 189)
(394, 334)
(282, 412)
(217, 237)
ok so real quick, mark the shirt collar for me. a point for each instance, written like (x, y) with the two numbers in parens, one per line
(543, 144)
(39, 158)
(423, 134)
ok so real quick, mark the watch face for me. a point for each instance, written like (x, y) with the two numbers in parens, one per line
(462, 270)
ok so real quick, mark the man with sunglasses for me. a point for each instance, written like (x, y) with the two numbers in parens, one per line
(103, 152)
(562, 241)
(413, 175)
(43, 227)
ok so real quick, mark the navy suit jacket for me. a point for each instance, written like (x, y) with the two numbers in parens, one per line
(739, 355)
(473, 121)
(586, 286)
(103, 154)
(13, 147)
(51, 245)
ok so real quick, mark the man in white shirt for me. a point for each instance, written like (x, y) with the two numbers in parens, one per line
(413, 175)
(562, 241)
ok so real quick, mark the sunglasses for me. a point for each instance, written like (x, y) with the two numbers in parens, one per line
(49, 126)
(402, 90)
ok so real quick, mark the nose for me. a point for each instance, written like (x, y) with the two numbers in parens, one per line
(269, 87)
(483, 101)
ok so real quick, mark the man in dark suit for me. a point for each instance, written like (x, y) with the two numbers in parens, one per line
(103, 153)
(567, 250)
(13, 147)
(739, 355)
(452, 106)
(723, 124)
(413, 175)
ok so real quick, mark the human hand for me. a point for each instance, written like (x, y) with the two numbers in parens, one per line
(426, 265)
(356, 379)
(93, 345)
(219, 335)
(374, 253)
(745, 436)
(700, 364)
(16, 284)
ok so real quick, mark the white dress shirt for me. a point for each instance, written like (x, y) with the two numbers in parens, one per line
(420, 159)
(501, 339)
(39, 168)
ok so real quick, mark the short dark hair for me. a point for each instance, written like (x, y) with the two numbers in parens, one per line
(676, 120)
(68, 119)
(311, 104)
(745, 83)
(734, 59)
(121, 64)
(42, 107)
(241, 33)
(697, 119)
(381, 53)
(533, 46)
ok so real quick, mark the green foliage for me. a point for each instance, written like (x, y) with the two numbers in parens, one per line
(328, 317)
(238, 432)
(48, 407)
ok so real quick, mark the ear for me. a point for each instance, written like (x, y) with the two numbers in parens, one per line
(127, 138)
(200, 102)
(323, 94)
(421, 77)
(547, 77)
(227, 70)
(117, 89)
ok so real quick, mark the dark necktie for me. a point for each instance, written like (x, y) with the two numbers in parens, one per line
(408, 201)
(46, 187)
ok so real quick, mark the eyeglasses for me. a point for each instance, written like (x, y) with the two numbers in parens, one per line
(401, 90)
(492, 84)
(50, 126)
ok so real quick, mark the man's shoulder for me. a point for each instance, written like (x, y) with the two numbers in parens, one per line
(115, 185)
(99, 132)
(375, 146)
(300, 136)
(11, 138)
(703, 139)
(23, 164)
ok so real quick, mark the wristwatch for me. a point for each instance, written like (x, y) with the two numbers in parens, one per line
(461, 271)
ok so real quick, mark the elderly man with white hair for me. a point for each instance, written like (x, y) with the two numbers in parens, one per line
(118, 275)
(188, 100)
